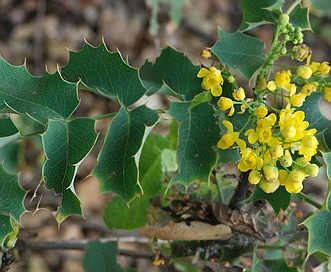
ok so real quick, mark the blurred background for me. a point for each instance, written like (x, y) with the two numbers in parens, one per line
(40, 33)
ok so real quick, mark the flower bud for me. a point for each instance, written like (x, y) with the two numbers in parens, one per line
(286, 160)
(296, 176)
(225, 103)
(254, 177)
(309, 141)
(270, 173)
(277, 151)
(312, 170)
(283, 19)
(268, 187)
(289, 131)
(304, 71)
(230, 79)
(239, 94)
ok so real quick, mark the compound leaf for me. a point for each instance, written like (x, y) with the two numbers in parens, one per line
(66, 144)
(105, 73)
(259, 12)
(198, 136)
(240, 52)
(174, 70)
(41, 98)
(117, 166)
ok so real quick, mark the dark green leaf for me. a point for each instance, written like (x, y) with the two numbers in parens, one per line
(8, 132)
(10, 157)
(40, 98)
(11, 195)
(280, 199)
(104, 72)
(117, 167)
(300, 18)
(240, 51)
(198, 136)
(101, 257)
(27, 126)
(66, 144)
(259, 12)
(174, 70)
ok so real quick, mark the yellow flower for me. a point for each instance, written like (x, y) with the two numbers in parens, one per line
(282, 78)
(327, 93)
(296, 176)
(312, 170)
(265, 134)
(298, 99)
(324, 68)
(270, 172)
(282, 176)
(314, 66)
(293, 187)
(277, 151)
(253, 136)
(308, 89)
(304, 71)
(225, 103)
(239, 94)
(271, 86)
(230, 137)
(243, 108)
(250, 160)
(261, 111)
(212, 80)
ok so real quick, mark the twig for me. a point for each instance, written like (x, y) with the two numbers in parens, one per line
(81, 244)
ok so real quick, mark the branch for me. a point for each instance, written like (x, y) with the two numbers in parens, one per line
(81, 244)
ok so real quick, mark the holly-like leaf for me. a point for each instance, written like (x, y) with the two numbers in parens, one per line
(66, 144)
(101, 257)
(300, 18)
(259, 12)
(280, 199)
(11, 195)
(198, 136)
(10, 157)
(8, 132)
(27, 126)
(173, 73)
(317, 120)
(106, 73)
(240, 51)
(117, 167)
(319, 226)
(41, 98)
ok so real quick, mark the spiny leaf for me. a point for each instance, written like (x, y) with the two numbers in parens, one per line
(259, 12)
(66, 144)
(106, 73)
(11, 195)
(280, 199)
(198, 136)
(101, 257)
(41, 98)
(300, 18)
(117, 167)
(174, 70)
(240, 52)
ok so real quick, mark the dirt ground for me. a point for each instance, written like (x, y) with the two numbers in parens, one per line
(40, 32)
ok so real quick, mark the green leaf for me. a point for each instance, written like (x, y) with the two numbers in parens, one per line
(259, 12)
(5, 228)
(66, 144)
(300, 18)
(27, 126)
(117, 166)
(11, 195)
(198, 136)
(10, 157)
(118, 215)
(317, 120)
(319, 229)
(8, 132)
(101, 257)
(174, 70)
(280, 199)
(41, 98)
(240, 51)
(106, 73)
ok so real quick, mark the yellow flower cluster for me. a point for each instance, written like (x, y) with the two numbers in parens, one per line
(212, 80)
